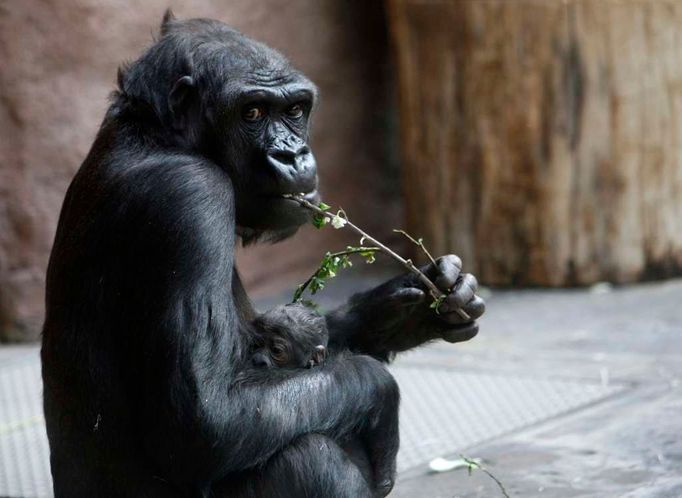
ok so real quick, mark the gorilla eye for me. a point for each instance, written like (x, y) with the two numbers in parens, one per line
(280, 354)
(253, 113)
(295, 111)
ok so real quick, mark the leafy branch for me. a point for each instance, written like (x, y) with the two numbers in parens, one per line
(322, 216)
(329, 266)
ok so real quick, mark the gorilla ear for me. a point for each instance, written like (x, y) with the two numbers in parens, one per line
(180, 101)
(168, 17)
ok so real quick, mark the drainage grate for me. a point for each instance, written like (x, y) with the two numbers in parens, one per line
(443, 410)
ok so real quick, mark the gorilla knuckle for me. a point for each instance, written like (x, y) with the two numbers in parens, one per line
(451, 259)
(470, 280)
(476, 307)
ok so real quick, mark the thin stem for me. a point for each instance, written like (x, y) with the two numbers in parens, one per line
(355, 250)
(473, 463)
(433, 290)
(419, 243)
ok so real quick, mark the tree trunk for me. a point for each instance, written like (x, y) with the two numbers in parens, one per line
(540, 138)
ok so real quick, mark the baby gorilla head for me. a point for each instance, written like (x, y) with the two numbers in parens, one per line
(289, 336)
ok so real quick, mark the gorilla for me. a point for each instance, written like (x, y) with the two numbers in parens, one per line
(289, 336)
(146, 337)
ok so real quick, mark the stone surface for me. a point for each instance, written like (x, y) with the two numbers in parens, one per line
(550, 131)
(59, 60)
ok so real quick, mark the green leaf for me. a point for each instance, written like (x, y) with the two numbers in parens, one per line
(436, 304)
(319, 221)
(323, 206)
(316, 284)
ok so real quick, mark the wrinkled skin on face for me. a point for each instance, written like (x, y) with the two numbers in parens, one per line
(250, 114)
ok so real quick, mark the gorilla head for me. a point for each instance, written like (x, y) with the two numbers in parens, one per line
(240, 104)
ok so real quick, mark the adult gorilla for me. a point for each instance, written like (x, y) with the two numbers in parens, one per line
(148, 384)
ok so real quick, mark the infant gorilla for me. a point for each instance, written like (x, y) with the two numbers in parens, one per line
(289, 336)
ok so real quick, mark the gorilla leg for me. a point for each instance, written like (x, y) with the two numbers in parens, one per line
(313, 466)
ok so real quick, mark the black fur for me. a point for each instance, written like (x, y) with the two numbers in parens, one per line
(147, 337)
(290, 336)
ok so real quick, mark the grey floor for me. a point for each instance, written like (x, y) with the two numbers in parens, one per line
(563, 393)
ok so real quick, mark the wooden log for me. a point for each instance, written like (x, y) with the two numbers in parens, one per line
(542, 139)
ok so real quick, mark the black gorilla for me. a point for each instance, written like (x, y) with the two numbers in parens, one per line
(289, 336)
(145, 340)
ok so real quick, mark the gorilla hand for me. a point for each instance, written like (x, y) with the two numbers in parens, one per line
(396, 316)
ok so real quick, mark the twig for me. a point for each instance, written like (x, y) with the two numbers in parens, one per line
(355, 250)
(419, 243)
(474, 464)
(435, 292)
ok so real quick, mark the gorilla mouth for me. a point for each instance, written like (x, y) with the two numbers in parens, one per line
(274, 211)
(313, 197)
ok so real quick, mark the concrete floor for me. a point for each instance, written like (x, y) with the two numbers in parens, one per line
(627, 446)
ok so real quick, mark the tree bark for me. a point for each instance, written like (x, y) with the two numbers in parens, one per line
(541, 139)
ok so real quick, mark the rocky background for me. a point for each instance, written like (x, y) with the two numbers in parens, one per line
(59, 61)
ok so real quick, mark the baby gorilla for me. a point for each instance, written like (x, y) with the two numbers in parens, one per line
(289, 336)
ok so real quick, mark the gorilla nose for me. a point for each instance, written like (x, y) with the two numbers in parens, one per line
(289, 154)
(294, 168)
(296, 157)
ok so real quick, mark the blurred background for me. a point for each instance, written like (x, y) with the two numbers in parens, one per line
(537, 139)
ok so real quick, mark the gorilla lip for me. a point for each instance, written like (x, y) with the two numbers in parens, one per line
(308, 196)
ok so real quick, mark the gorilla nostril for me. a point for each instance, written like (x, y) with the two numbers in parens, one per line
(283, 156)
(288, 155)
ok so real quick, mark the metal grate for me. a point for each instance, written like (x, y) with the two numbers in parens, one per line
(443, 410)
(24, 453)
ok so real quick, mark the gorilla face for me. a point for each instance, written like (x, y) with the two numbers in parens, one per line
(266, 135)
(248, 110)
(289, 336)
